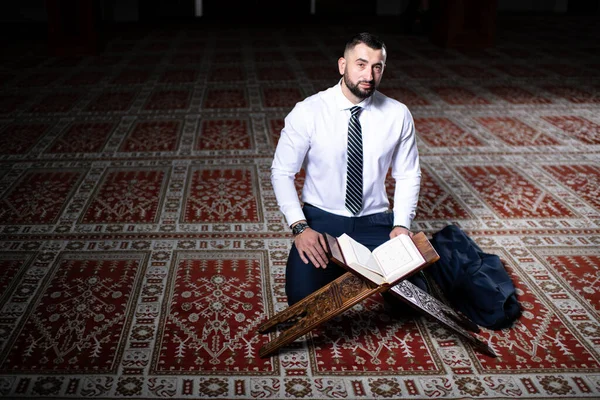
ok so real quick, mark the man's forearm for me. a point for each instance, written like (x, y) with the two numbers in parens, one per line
(406, 197)
(287, 196)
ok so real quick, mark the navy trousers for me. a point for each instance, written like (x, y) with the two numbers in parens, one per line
(370, 230)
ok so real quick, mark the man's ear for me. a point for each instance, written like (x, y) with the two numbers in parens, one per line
(341, 65)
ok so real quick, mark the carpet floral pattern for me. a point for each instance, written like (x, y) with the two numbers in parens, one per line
(141, 244)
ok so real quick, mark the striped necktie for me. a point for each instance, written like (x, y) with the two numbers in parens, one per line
(354, 183)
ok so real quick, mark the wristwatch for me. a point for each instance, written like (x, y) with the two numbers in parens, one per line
(299, 228)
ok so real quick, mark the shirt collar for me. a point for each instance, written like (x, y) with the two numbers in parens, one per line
(344, 104)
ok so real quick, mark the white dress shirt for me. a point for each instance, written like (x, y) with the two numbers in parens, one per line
(315, 137)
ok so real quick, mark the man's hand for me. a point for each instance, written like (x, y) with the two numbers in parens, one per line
(400, 230)
(311, 246)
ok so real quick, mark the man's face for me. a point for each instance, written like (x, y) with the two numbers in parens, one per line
(362, 68)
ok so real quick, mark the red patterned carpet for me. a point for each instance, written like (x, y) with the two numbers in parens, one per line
(141, 244)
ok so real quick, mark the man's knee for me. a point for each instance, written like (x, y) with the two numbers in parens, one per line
(303, 279)
(294, 294)
(298, 278)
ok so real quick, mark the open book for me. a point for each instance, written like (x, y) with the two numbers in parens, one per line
(393, 260)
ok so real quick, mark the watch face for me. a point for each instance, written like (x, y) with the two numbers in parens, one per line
(299, 228)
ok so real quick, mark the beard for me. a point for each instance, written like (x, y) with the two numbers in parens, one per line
(357, 91)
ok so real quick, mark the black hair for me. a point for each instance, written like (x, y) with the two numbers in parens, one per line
(367, 38)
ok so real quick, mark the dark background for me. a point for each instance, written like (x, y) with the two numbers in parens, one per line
(83, 26)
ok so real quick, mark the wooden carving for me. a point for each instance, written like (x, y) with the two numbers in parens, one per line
(348, 290)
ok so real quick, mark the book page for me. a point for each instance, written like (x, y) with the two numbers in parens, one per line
(357, 253)
(398, 257)
(367, 273)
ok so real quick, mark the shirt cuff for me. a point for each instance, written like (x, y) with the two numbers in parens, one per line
(294, 216)
(402, 221)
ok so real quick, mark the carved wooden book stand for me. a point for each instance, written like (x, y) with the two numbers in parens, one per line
(348, 290)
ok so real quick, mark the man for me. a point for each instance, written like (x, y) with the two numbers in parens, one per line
(346, 138)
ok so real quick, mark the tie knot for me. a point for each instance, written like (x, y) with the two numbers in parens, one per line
(355, 110)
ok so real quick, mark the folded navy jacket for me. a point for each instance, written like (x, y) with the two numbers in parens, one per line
(474, 282)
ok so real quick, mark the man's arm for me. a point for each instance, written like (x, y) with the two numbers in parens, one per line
(292, 147)
(406, 172)
(291, 150)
